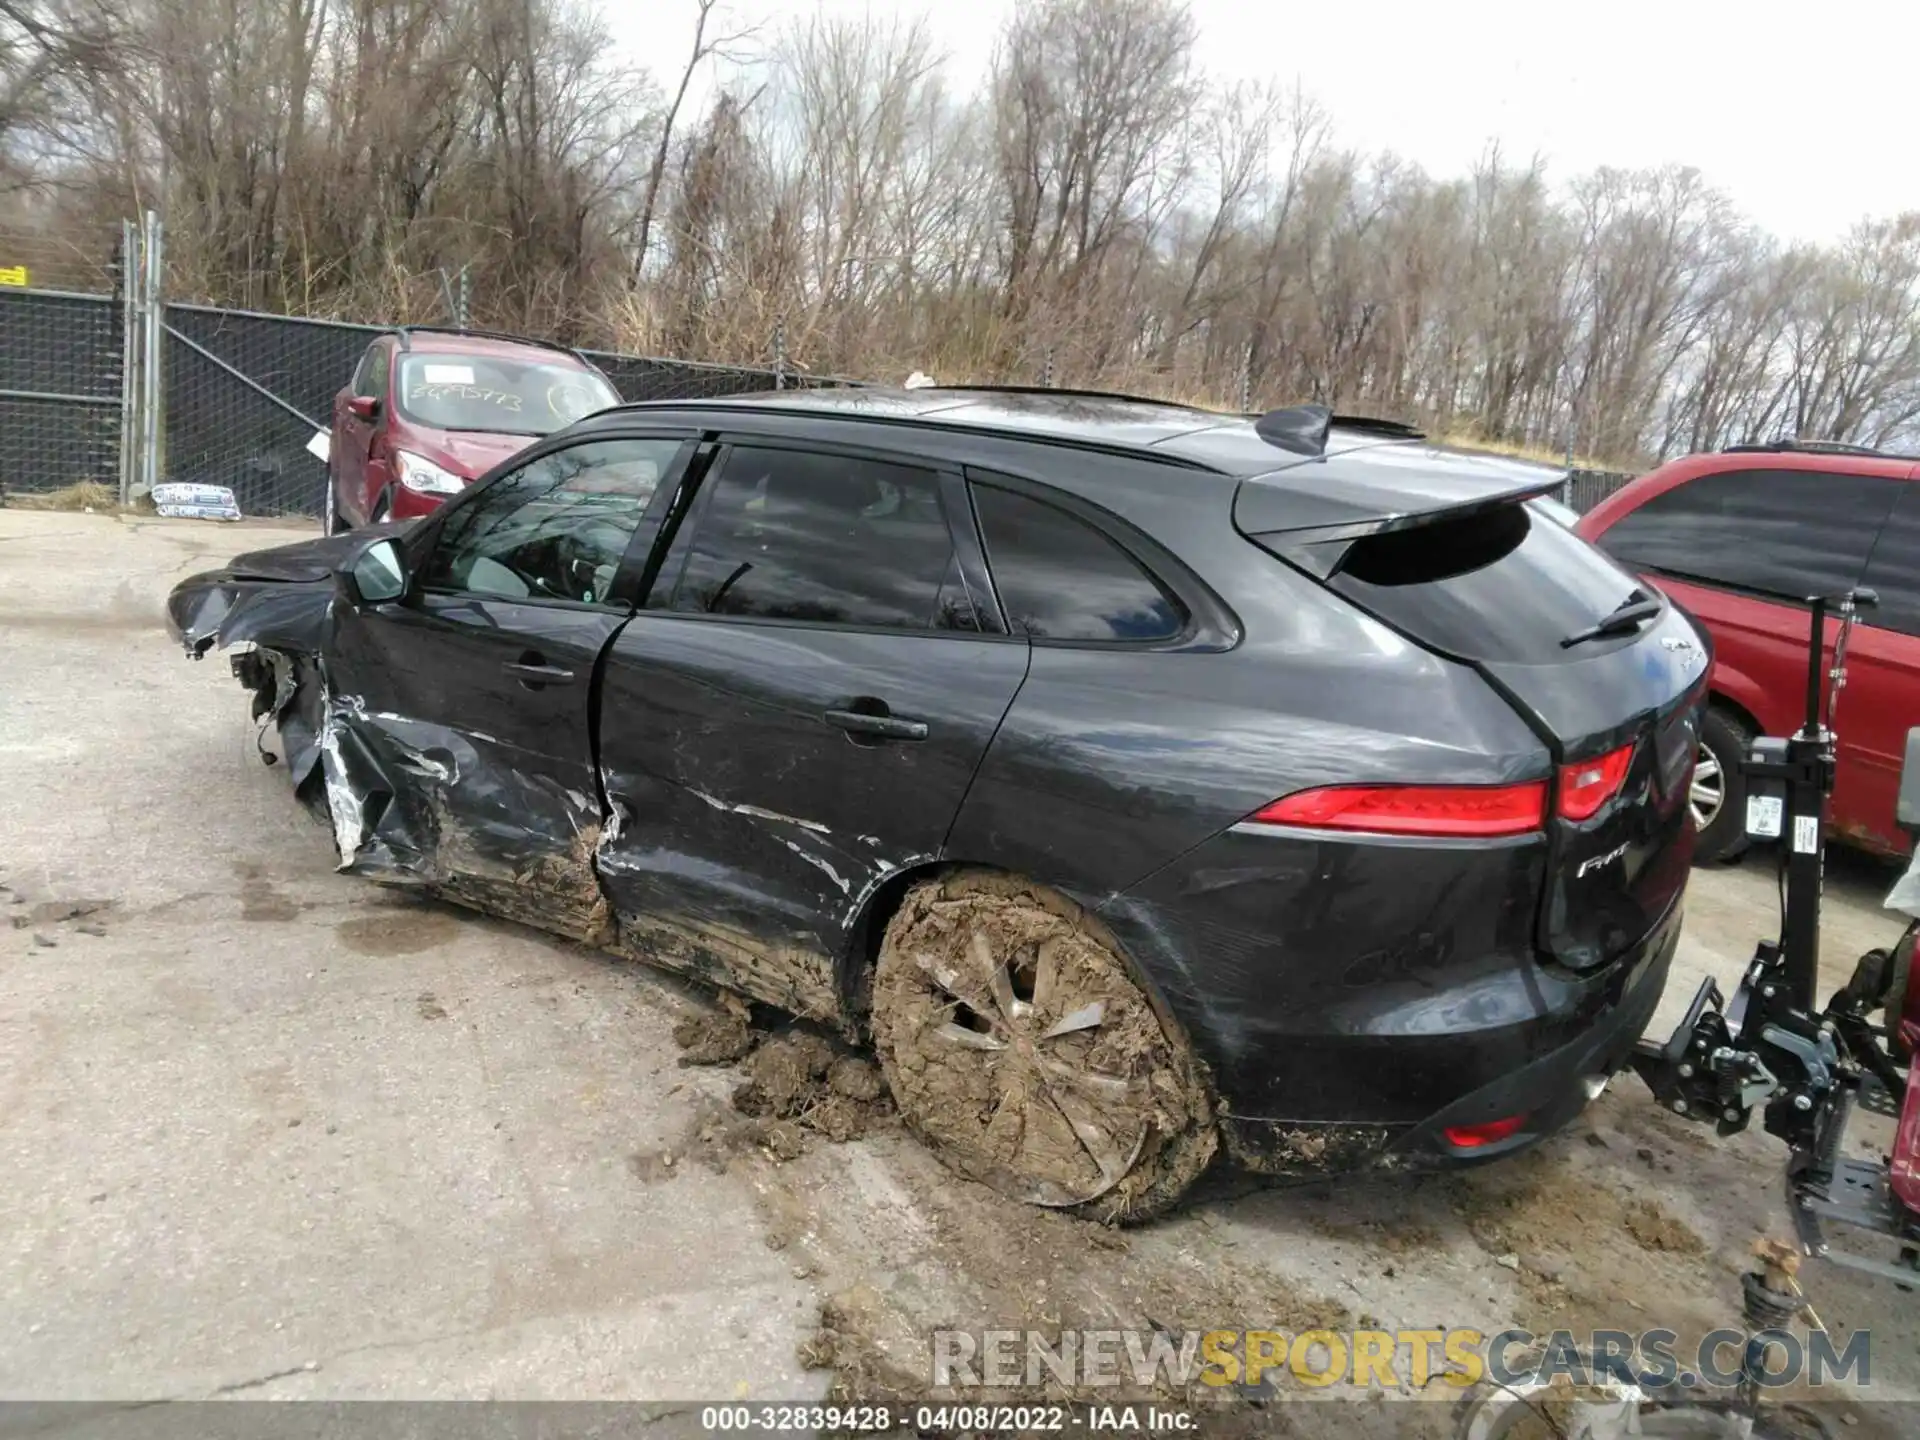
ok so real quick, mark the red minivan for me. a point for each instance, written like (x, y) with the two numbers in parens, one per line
(1741, 538)
(429, 411)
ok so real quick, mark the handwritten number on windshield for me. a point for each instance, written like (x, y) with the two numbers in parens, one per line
(501, 398)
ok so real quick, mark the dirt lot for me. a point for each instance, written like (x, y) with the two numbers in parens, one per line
(272, 1131)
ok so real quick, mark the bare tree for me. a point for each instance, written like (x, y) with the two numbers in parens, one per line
(704, 48)
(1097, 210)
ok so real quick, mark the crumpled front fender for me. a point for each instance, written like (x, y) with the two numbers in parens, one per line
(218, 608)
(280, 598)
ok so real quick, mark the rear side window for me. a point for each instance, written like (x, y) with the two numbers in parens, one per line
(1502, 585)
(1061, 579)
(797, 535)
(1784, 533)
(1894, 570)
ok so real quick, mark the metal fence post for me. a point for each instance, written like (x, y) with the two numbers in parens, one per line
(1046, 370)
(150, 381)
(129, 357)
(463, 305)
(1566, 487)
(780, 354)
(1246, 379)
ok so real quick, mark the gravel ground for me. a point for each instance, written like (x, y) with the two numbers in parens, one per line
(272, 1131)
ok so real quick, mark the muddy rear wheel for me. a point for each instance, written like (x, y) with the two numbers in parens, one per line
(1019, 1045)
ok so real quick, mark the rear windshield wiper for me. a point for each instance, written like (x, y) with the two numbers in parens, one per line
(1630, 616)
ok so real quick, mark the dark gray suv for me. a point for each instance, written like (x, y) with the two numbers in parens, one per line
(1136, 778)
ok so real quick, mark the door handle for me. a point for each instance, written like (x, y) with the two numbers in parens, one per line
(882, 727)
(534, 673)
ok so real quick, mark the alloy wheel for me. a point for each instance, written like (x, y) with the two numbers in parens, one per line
(1708, 792)
(1085, 1125)
(1018, 1043)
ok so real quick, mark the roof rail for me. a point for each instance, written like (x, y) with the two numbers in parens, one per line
(1808, 447)
(407, 332)
(1070, 394)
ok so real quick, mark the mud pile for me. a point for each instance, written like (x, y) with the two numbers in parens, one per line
(793, 1073)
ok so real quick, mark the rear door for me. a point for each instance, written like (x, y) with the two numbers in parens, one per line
(464, 711)
(797, 712)
(1519, 597)
(1746, 548)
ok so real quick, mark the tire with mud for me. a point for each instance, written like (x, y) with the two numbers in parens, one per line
(1022, 1049)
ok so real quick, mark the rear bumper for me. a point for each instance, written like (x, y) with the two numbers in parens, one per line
(1549, 1091)
(1353, 1000)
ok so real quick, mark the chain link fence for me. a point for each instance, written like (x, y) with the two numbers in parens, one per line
(62, 371)
(638, 377)
(1585, 489)
(245, 394)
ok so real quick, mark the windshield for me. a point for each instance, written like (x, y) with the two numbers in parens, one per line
(488, 392)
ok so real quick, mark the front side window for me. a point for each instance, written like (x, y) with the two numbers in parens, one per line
(1058, 578)
(491, 393)
(556, 528)
(798, 535)
(1784, 533)
(379, 366)
(370, 379)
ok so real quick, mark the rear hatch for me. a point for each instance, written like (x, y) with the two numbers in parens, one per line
(1603, 668)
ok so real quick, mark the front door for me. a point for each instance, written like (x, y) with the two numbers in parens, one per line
(352, 441)
(461, 715)
(796, 715)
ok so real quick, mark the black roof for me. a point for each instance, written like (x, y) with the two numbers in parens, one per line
(1154, 429)
(1368, 470)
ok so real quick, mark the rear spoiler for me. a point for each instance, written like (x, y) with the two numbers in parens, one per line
(1320, 543)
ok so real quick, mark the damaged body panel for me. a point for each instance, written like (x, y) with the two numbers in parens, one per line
(467, 718)
(746, 814)
(1373, 855)
(414, 789)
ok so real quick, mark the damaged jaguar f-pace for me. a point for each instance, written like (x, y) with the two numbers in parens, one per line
(1139, 781)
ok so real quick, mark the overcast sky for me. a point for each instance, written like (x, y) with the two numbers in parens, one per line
(1807, 116)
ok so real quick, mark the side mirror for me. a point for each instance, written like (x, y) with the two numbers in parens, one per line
(364, 407)
(1906, 813)
(376, 575)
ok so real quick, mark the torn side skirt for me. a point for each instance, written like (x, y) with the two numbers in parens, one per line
(797, 979)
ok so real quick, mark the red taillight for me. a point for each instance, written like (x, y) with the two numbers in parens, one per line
(1588, 784)
(1475, 810)
(1472, 1137)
